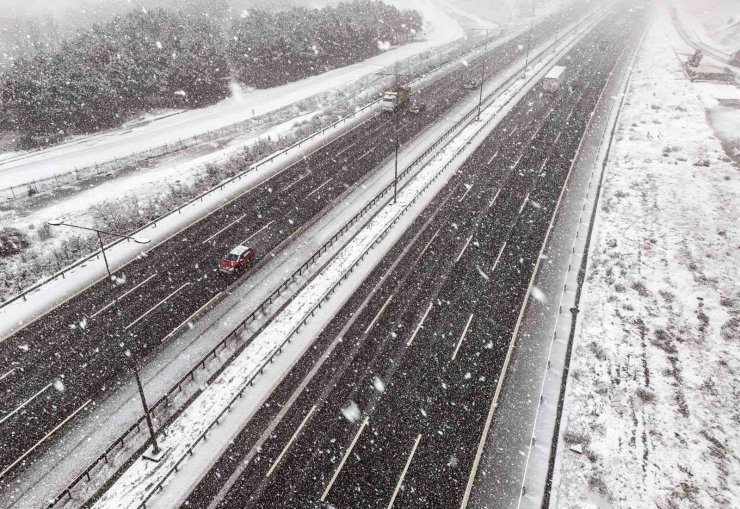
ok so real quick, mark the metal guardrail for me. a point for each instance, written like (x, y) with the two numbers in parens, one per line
(233, 335)
(96, 254)
(465, 119)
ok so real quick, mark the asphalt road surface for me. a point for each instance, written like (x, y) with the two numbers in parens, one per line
(388, 407)
(58, 366)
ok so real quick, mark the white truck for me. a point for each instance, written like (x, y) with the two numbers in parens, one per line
(553, 79)
(394, 99)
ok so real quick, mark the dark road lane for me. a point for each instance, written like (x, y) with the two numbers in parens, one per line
(396, 412)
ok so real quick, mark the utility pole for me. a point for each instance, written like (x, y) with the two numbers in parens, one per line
(483, 68)
(396, 85)
(529, 38)
(119, 326)
(557, 27)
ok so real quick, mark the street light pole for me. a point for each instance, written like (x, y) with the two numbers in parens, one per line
(119, 325)
(529, 38)
(395, 172)
(483, 69)
(396, 85)
(152, 435)
(105, 258)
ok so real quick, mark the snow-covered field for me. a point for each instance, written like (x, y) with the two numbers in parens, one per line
(651, 416)
(716, 22)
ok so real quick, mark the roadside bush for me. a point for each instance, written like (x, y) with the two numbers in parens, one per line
(12, 241)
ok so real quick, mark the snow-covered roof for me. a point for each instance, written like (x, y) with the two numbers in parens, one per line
(239, 250)
(555, 72)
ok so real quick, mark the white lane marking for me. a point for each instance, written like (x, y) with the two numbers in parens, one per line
(322, 185)
(294, 183)
(462, 336)
(526, 199)
(290, 442)
(492, 157)
(255, 233)
(517, 161)
(363, 156)
(536, 132)
(513, 131)
(96, 313)
(345, 149)
(6, 375)
(430, 242)
(378, 315)
(190, 317)
(344, 459)
(405, 469)
(408, 343)
(543, 166)
(466, 193)
(223, 229)
(155, 307)
(464, 248)
(557, 137)
(8, 416)
(12, 465)
(501, 251)
(494, 198)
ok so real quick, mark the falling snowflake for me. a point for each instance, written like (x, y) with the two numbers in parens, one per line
(539, 295)
(378, 384)
(351, 412)
(485, 276)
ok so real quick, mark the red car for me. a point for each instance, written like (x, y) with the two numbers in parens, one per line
(239, 258)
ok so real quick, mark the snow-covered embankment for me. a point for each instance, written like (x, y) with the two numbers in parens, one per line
(651, 416)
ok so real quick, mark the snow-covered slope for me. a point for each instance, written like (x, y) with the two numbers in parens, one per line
(716, 22)
(651, 416)
(243, 104)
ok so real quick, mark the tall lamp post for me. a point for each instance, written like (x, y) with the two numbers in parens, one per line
(529, 38)
(139, 240)
(396, 84)
(483, 68)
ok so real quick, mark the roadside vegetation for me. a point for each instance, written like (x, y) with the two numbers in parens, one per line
(148, 60)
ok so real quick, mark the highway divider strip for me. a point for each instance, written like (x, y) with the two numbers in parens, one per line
(355, 263)
(235, 335)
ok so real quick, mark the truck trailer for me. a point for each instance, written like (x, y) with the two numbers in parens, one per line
(553, 79)
(394, 99)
